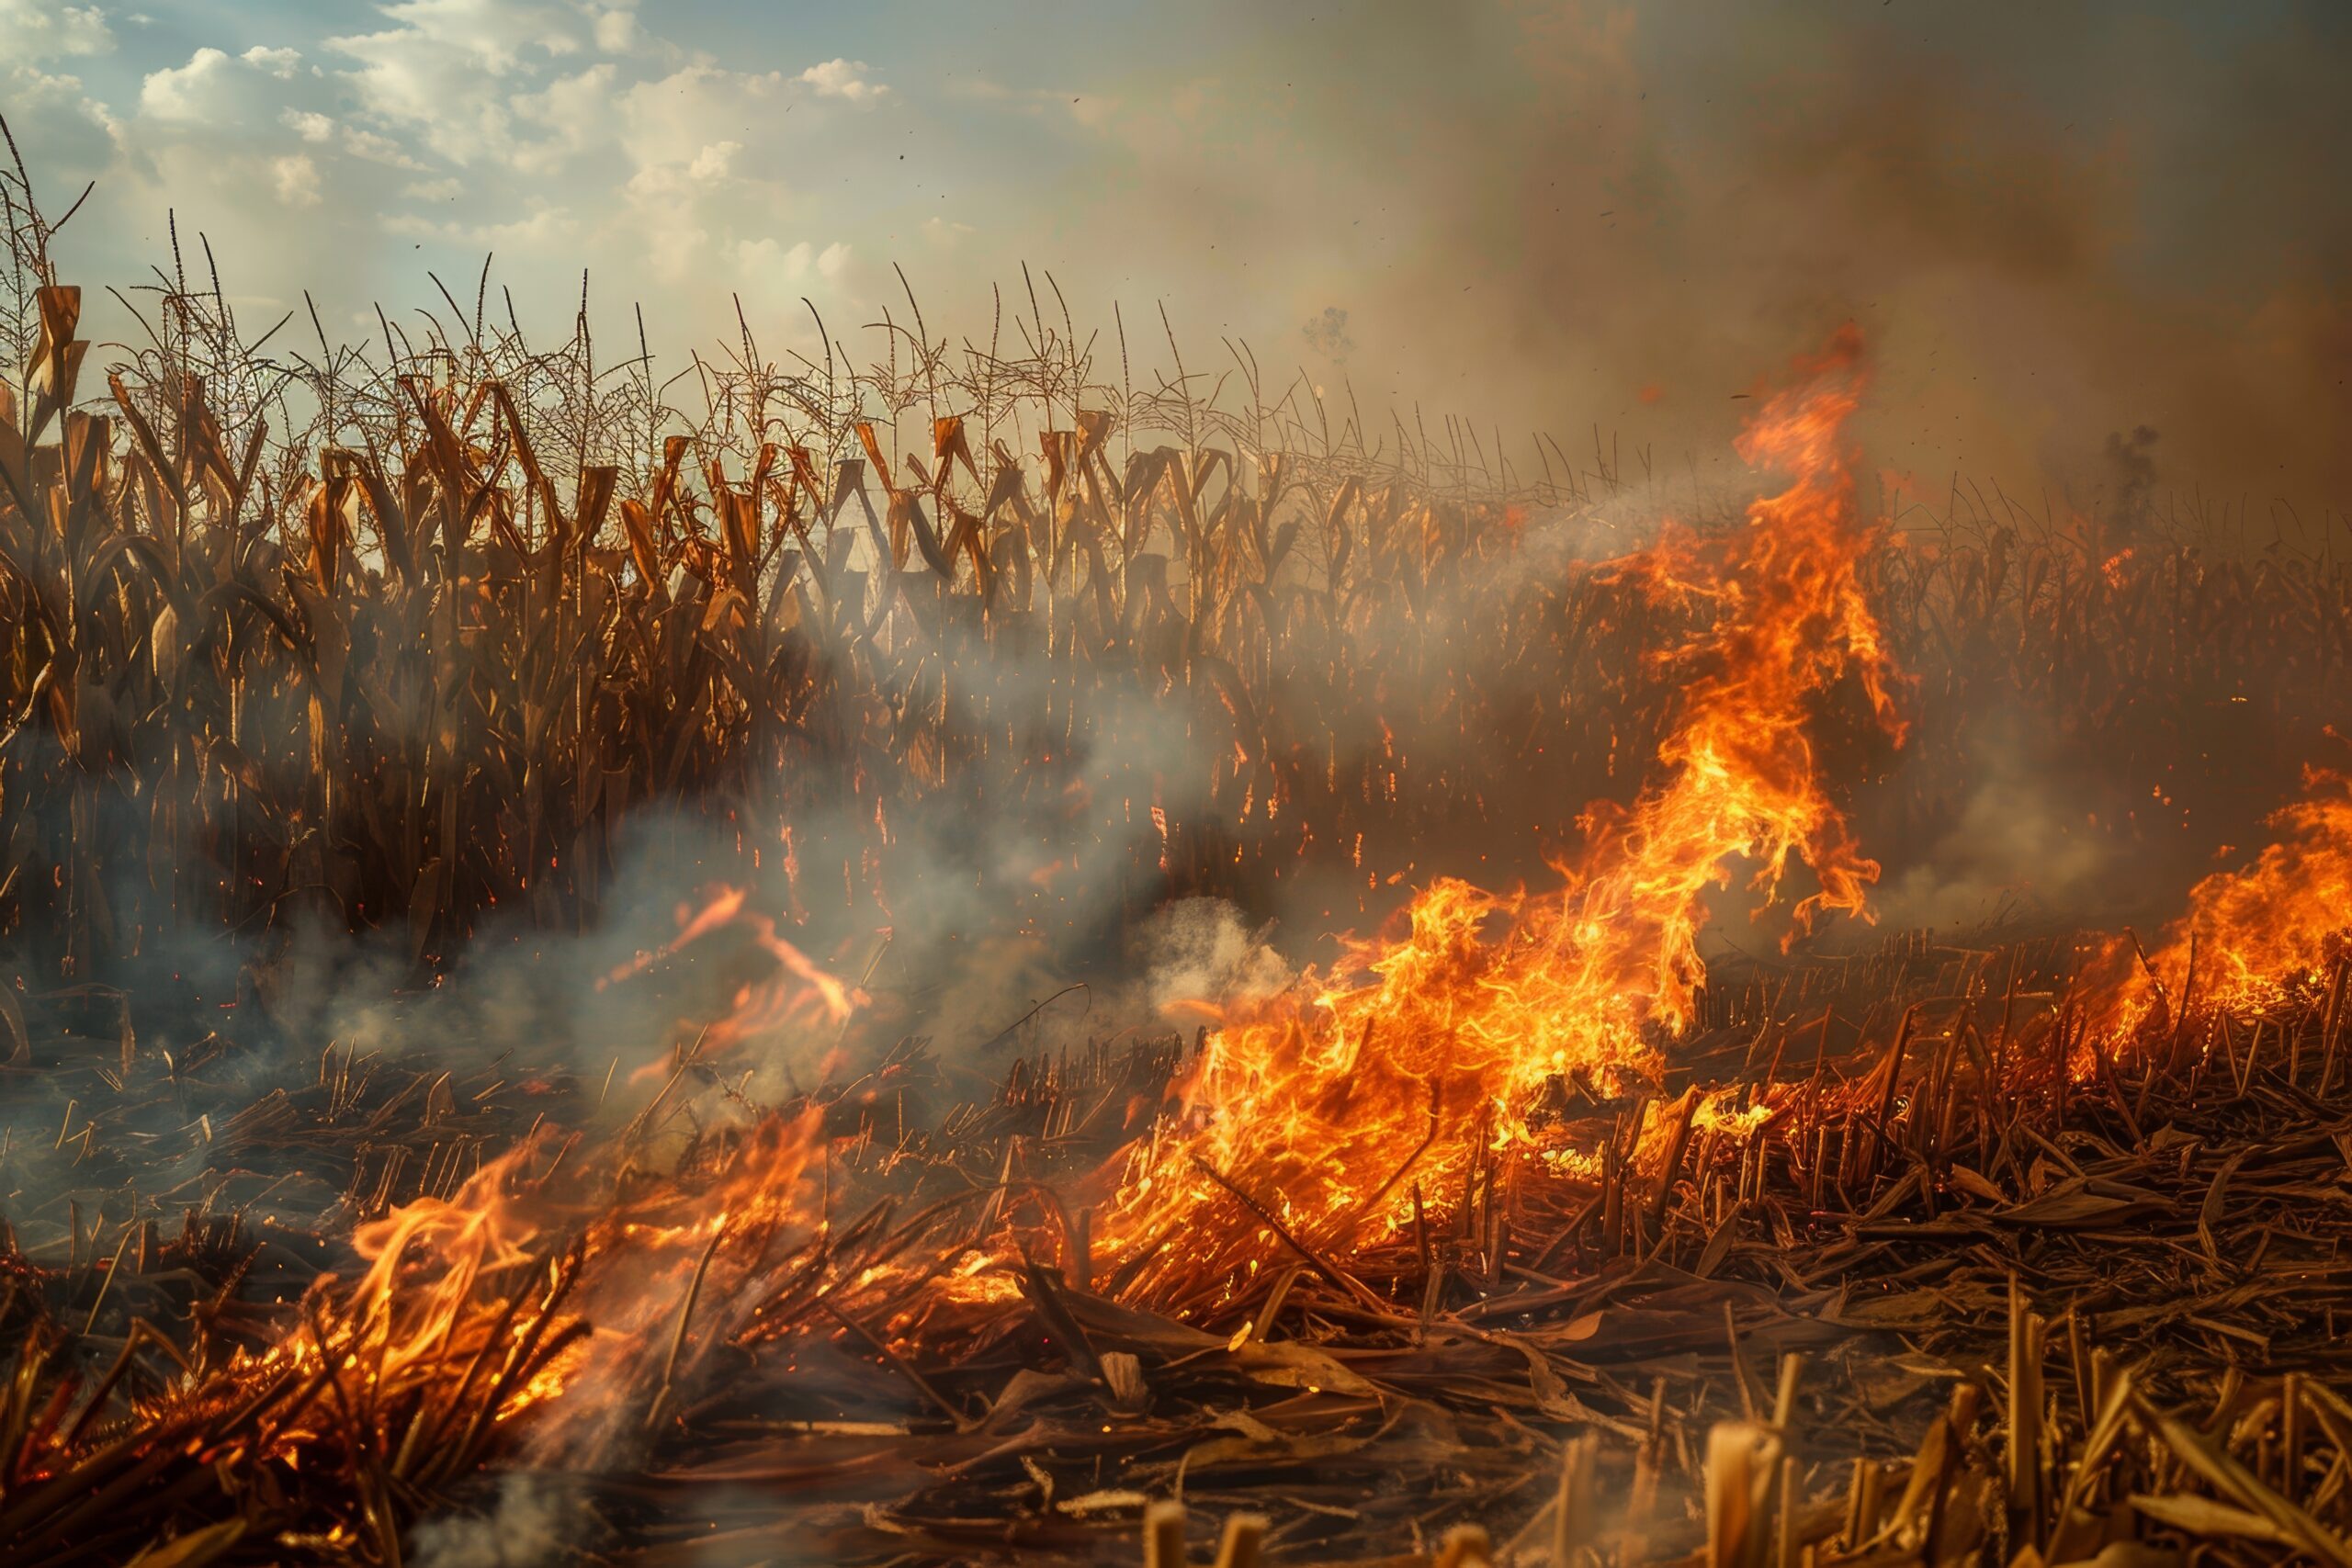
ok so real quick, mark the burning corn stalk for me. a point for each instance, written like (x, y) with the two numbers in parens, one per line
(1329, 1107)
(1525, 1224)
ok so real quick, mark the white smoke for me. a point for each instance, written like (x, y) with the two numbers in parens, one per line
(533, 1521)
(1202, 950)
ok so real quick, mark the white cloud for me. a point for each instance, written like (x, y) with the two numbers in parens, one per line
(78, 132)
(318, 129)
(544, 227)
(712, 163)
(849, 79)
(761, 255)
(488, 35)
(675, 249)
(200, 93)
(616, 31)
(376, 149)
(278, 62)
(296, 179)
(684, 135)
(771, 259)
(668, 121)
(237, 104)
(443, 67)
(553, 131)
(35, 29)
(576, 111)
(470, 76)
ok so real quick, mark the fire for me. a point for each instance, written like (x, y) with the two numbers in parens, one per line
(534, 1283)
(547, 1281)
(1330, 1110)
(2252, 937)
(565, 1303)
(793, 993)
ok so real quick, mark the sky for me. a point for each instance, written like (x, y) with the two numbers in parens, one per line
(2057, 225)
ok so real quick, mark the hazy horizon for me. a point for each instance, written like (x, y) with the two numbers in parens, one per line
(2053, 230)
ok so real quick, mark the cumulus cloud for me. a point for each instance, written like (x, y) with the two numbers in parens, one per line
(690, 186)
(713, 162)
(229, 115)
(377, 149)
(200, 93)
(575, 112)
(770, 257)
(544, 226)
(558, 132)
(666, 122)
(32, 30)
(279, 63)
(446, 69)
(59, 110)
(849, 79)
(295, 178)
(321, 129)
(615, 30)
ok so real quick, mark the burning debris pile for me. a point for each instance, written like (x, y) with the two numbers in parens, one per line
(1520, 1229)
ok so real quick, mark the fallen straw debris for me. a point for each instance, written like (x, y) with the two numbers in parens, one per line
(2008, 1324)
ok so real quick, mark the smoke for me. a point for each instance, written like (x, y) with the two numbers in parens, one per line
(1326, 335)
(2049, 227)
(535, 1520)
(1201, 952)
(2018, 849)
(2131, 504)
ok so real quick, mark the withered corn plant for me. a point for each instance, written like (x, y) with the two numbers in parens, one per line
(403, 635)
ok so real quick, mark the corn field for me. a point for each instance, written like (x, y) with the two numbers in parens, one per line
(401, 635)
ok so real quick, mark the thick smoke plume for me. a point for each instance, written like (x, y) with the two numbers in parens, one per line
(2054, 227)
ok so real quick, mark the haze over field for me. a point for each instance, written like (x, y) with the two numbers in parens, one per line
(875, 934)
(2054, 227)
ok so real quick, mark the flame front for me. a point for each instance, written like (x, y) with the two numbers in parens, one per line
(524, 1285)
(1322, 1119)
(1324, 1110)
(542, 1275)
(2252, 938)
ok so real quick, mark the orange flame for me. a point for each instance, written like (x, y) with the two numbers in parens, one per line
(797, 991)
(2254, 937)
(457, 1288)
(1327, 1107)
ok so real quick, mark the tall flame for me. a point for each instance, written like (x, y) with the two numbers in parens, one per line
(1324, 1109)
